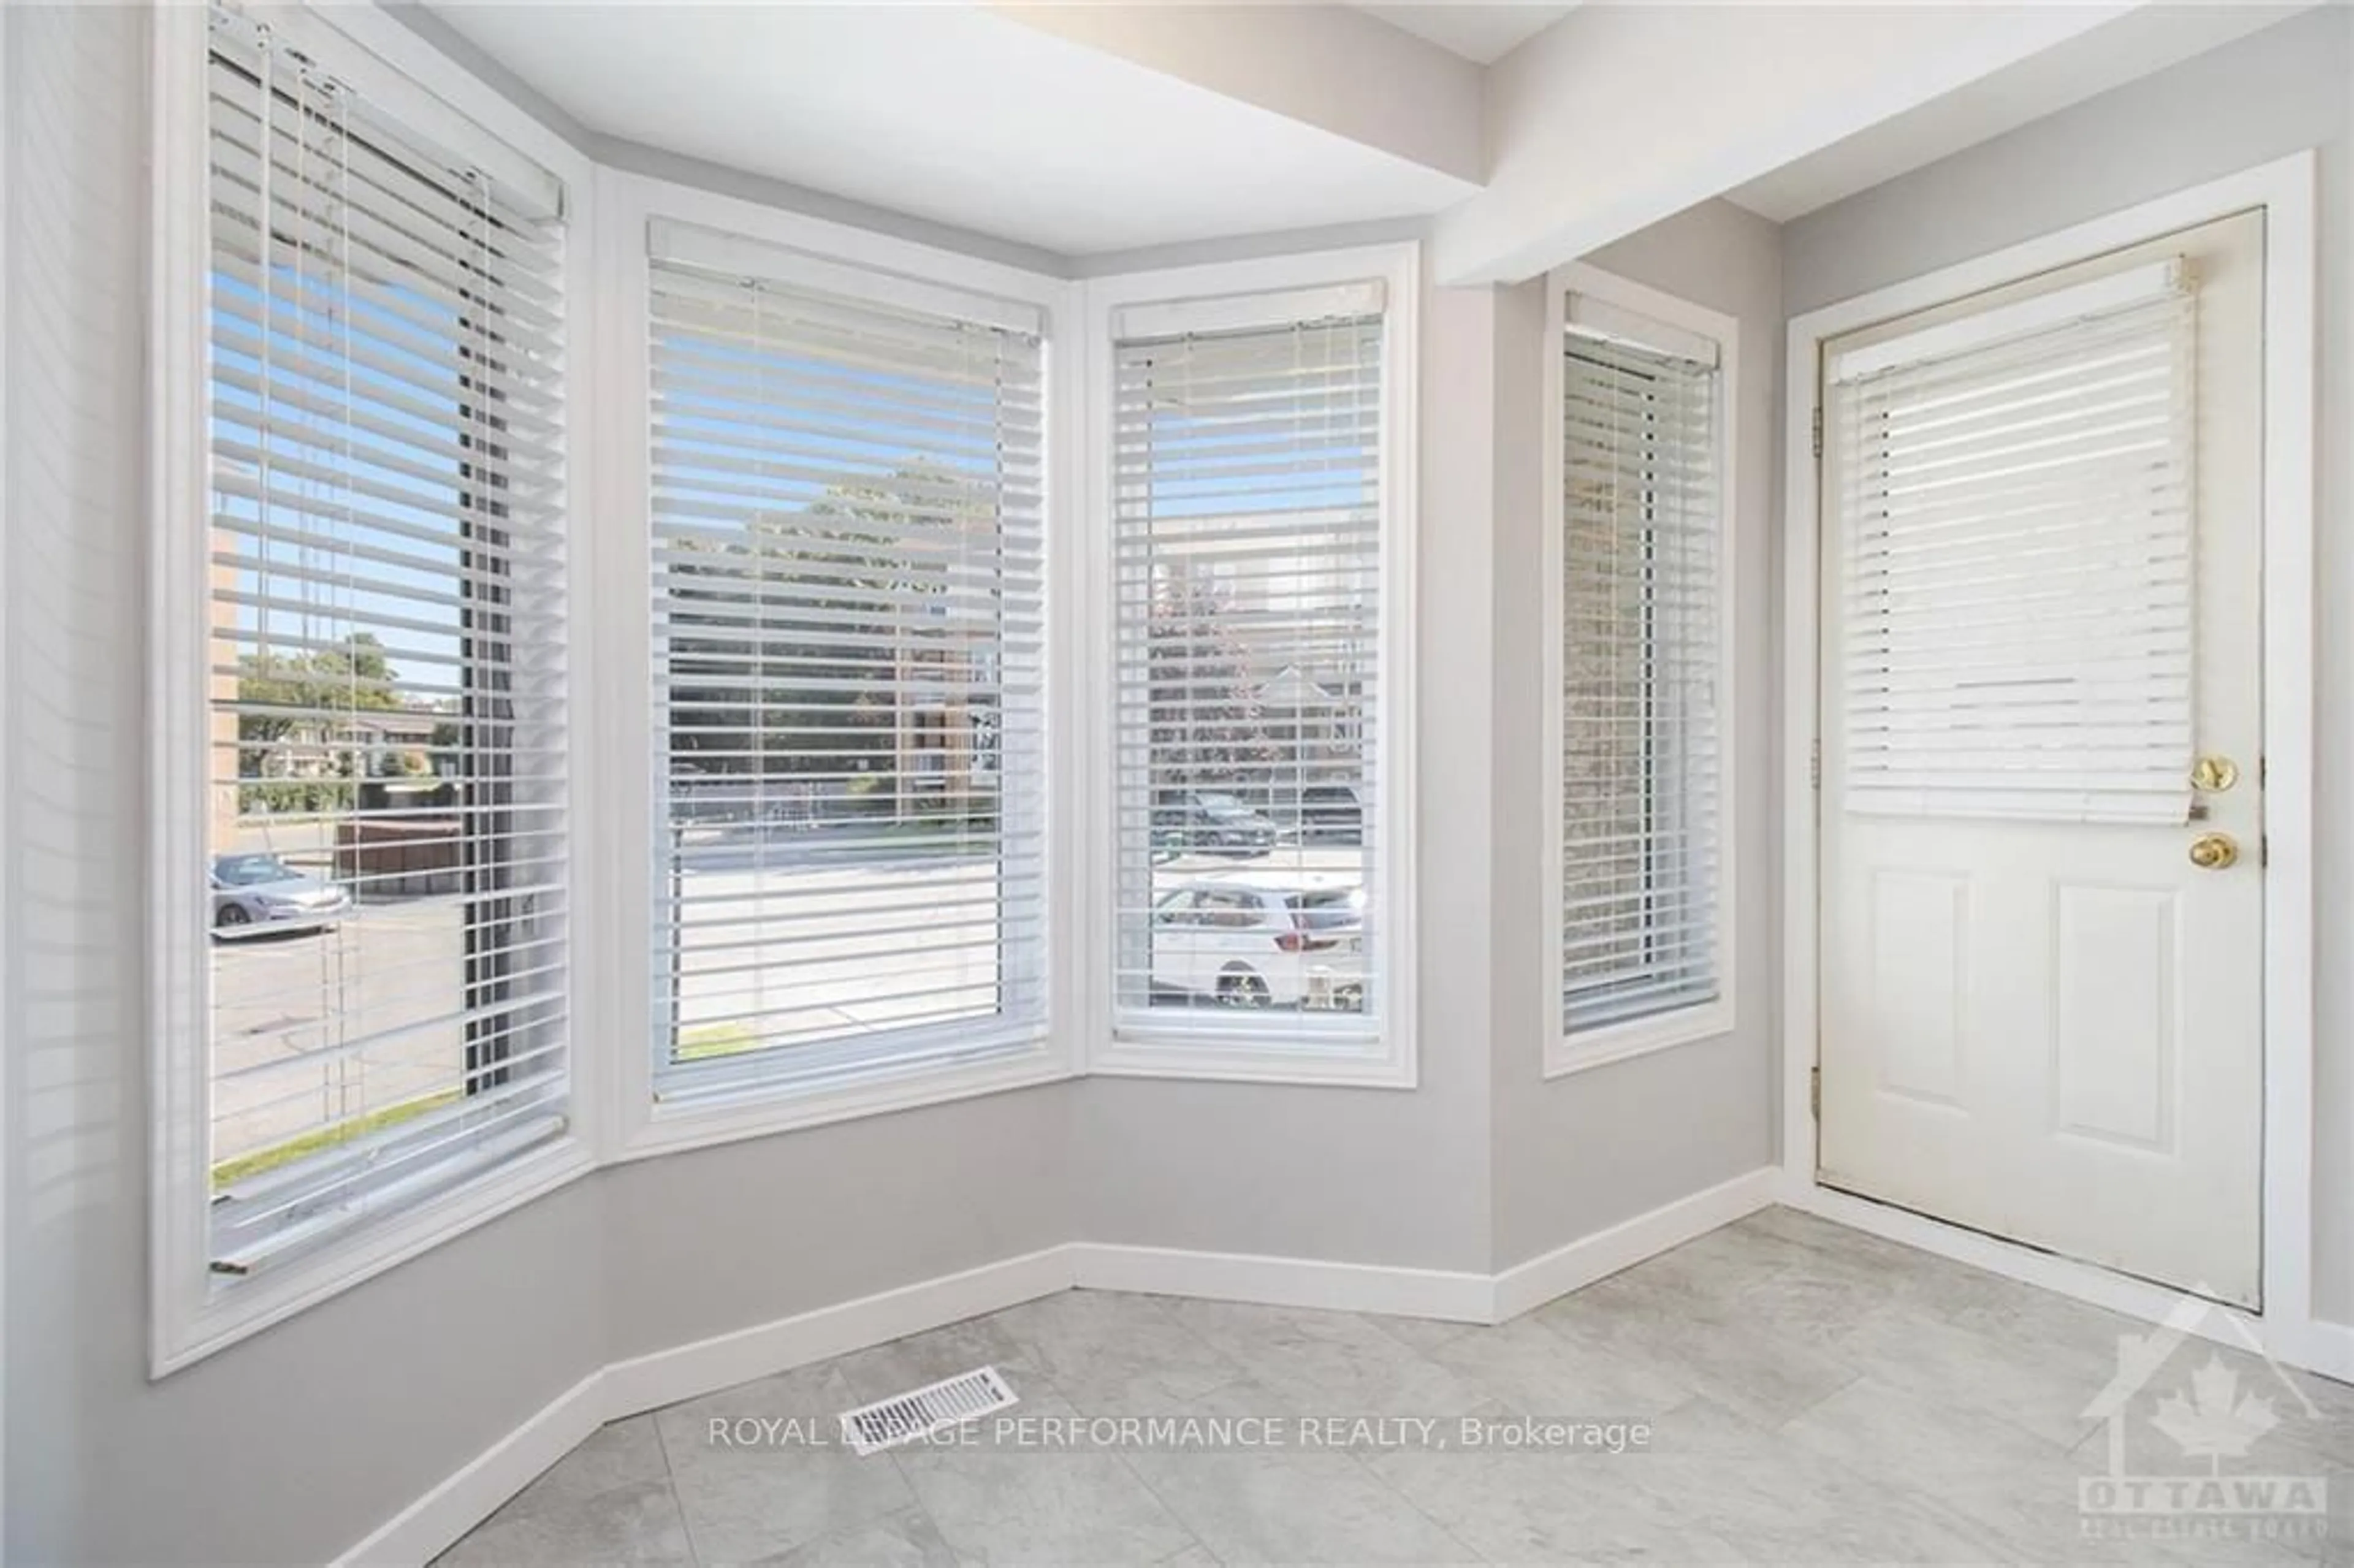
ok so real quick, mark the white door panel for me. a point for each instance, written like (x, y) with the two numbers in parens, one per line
(2039, 1018)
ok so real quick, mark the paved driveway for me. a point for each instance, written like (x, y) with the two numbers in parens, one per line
(811, 944)
(288, 1007)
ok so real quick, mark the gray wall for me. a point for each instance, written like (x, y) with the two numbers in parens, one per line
(2277, 92)
(1487, 1165)
(718, 1239)
(276, 1449)
(1367, 1175)
(290, 1446)
(1585, 1151)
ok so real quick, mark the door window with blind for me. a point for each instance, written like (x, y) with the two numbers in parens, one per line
(2018, 486)
(385, 832)
(1641, 657)
(848, 540)
(1249, 758)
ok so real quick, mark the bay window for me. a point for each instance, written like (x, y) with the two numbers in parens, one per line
(1256, 538)
(847, 518)
(365, 912)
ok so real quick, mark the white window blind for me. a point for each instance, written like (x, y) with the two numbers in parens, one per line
(386, 819)
(2016, 492)
(1247, 537)
(848, 544)
(1642, 664)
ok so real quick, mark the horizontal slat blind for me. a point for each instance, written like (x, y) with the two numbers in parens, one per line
(848, 592)
(2019, 615)
(386, 680)
(1246, 540)
(1642, 656)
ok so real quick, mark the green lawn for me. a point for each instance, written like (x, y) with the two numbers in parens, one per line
(710, 1040)
(694, 1045)
(260, 1162)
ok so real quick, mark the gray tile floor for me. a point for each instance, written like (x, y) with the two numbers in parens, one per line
(1814, 1395)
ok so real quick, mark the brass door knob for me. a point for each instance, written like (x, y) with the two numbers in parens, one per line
(2213, 852)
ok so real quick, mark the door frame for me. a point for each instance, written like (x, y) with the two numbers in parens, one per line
(2285, 190)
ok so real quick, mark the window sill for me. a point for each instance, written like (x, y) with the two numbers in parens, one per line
(240, 1310)
(755, 1110)
(1639, 1037)
(1178, 1050)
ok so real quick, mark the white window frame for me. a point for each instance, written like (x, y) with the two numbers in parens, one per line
(188, 1322)
(1237, 1048)
(1565, 1052)
(7, 824)
(836, 257)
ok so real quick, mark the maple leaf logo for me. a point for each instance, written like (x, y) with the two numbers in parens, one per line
(2217, 1421)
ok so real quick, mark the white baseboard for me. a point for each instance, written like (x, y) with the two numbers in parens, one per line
(429, 1526)
(1272, 1281)
(432, 1523)
(1628, 1243)
(689, 1371)
(2324, 1348)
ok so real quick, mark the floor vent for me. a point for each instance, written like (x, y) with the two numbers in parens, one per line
(909, 1417)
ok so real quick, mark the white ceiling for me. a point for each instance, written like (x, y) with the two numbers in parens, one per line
(1482, 34)
(950, 113)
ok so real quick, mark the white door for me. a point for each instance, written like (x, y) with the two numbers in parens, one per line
(2041, 984)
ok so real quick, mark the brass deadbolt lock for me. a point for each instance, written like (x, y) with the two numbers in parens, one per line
(2213, 775)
